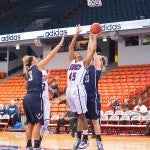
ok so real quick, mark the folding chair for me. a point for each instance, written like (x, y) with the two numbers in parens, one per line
(109, 113)
(135, 121)
(112, 122)
(144, 119)
(119, 113)
(124, 119)
(113, 119)
(104, 122)
(129, 113)
(4, 122)
(104, 119)
(124, 122)
(54, 118)
(53, 123)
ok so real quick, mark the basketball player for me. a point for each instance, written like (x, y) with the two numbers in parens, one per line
(32, 102)
(91, 80)
(46, 102)
(75, 92)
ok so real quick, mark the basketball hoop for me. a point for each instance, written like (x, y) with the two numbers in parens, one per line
(94, 3)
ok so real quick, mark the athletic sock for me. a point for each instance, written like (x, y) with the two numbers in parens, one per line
(36, 143)
(29, 143)
(41, 140)
(98, 137)
(79, 133)
(85, 134)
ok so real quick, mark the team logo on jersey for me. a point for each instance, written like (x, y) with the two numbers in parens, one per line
(39, 116)
(75, 67)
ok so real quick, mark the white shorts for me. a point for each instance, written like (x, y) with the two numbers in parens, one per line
(77, 99)
(46, 107)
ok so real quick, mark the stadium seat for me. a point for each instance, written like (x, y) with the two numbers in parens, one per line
(109, 113)
(124, 119)
(113, 119)
(119, 113)
(135, 119)
(104, 119)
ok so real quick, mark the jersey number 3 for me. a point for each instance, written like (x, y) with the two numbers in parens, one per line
(30, 76)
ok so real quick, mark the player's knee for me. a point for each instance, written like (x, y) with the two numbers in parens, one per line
(82, 117)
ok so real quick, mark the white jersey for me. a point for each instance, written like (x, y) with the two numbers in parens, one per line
(45, 96)
(76, 93)
(76, 74)
(45, 83)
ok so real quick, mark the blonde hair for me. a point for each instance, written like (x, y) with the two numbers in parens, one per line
(26, 63)
(104, 62)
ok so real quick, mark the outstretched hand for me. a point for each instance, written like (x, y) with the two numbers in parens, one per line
(78, 29)
(62, 40)
(93, 41)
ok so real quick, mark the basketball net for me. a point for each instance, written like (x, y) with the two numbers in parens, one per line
(94, 3)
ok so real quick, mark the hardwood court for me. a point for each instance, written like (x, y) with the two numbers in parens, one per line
(65, 142)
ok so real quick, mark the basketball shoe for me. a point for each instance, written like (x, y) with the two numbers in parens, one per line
(29, 148)
(99, 145)
(76, 144)
(84, 144)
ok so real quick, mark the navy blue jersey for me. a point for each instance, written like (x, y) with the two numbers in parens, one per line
(91, 79)
(34, 80)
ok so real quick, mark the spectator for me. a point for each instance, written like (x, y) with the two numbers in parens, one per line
(70, 119)
(54, 89)
(110, 105)
(2, 109)
(140, 108)
(116, 104)
(13, 112)
(148, 128)
(125, 106)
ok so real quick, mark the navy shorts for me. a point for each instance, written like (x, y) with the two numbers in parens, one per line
(94, 107)
(33, 107)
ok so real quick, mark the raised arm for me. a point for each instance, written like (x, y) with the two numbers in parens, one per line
(96, 59)
(91, 49)
(73, 42)
(100, 62)
(52, 53)
(97, 62)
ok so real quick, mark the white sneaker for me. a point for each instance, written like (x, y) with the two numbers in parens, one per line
(29, 148)
(84, 144)
(99, 145)
(76, 144)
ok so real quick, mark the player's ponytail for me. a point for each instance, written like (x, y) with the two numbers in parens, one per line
(104, 62)
(27, 61)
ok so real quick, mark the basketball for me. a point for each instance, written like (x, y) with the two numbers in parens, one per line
(96, 28)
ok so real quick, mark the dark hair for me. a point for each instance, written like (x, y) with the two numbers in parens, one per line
(30, 60)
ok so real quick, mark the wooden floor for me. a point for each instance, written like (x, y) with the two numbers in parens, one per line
(65, 142)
